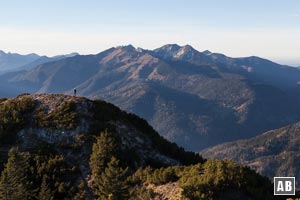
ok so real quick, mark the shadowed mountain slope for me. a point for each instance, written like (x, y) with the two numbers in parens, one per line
(273, 153)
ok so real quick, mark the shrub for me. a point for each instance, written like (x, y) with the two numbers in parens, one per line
(63, 117)
(14, 115)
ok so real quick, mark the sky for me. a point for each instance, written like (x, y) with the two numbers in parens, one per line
(237, 28)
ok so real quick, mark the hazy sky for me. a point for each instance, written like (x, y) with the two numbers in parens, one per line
(266, 28)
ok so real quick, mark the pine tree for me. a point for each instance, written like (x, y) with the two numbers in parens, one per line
(14, 182)
(112, 183)
(5, 190)
(105, 147)
(45, 191)
(81, 194)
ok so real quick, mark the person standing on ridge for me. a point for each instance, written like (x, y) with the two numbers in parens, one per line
(75, 91)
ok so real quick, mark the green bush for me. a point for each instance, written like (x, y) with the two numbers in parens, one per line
(208, 181)
(213, 178)
(64, 116)
(14, 115)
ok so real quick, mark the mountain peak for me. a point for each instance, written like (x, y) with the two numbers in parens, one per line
(187, 46)
(206, 52)
(72, 54)
(168, 50)
(66, 55)
(185, 50)
(33, 55)
(127, 47)
(170, 47)
(176, 51)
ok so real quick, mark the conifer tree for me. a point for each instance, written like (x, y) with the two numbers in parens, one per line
(5, 190)
(45, 191)
(81, 194)
(14, 182)
(105, 147)
(112, 183)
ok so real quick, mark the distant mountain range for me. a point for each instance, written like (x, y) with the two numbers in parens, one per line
(196, 99)
(274, 153)
(11, 61)
(14, 61)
